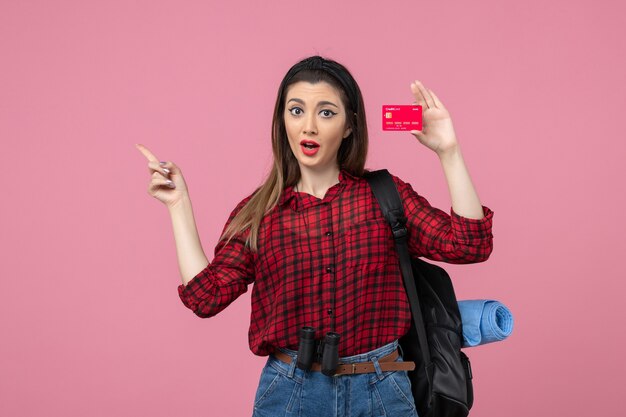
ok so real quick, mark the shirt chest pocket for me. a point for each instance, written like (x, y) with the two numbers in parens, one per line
(369, 244)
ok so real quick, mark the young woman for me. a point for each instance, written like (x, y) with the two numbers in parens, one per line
(314, 242)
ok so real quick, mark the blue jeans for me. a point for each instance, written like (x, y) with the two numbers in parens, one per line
(286, 390)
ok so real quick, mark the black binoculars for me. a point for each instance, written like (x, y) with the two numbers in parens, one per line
(311, 350)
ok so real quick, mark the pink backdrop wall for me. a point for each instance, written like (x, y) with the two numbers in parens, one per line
(90, 319)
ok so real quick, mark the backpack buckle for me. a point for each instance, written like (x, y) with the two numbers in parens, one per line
(399, 232)
(397, 219)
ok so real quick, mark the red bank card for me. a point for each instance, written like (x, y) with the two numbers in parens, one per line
(402, 117)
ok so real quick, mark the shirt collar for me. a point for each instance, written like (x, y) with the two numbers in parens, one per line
(306, 200)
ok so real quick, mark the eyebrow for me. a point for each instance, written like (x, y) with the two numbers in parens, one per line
(321, 103)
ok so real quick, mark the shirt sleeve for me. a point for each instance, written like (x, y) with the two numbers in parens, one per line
(439, 236)
(225, 278)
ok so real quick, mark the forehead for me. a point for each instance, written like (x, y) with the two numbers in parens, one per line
(313, 92)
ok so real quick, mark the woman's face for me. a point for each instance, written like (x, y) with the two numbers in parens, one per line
(315, 113)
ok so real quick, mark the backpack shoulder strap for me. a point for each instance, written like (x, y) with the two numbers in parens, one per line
(386, 193)
(388, 198)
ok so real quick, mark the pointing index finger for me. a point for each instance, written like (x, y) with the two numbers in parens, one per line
(424, 96)
(149, 155)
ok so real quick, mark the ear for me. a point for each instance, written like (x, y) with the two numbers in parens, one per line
(347, 132)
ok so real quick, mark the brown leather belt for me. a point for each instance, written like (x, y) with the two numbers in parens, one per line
(387, 363)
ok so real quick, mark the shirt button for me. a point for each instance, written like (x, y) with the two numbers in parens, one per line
(329, 233)
(330, 311)
(329, 269)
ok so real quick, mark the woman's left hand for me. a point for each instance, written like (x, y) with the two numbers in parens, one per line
(437, 131)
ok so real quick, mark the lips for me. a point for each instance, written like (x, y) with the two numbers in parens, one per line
(309, 147)
(310, 144)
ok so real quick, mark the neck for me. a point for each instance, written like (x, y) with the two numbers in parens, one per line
(317, 183)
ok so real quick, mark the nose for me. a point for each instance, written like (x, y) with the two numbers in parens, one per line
(310, 126)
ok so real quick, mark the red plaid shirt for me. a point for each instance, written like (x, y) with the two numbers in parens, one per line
(332, 258)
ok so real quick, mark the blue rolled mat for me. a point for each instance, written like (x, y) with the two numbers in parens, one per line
(484, 321)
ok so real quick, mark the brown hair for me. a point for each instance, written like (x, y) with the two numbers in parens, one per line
(285, 170)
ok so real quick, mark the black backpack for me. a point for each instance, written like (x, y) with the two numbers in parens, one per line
(442, 379)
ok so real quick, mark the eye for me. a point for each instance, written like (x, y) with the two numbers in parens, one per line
(331, 113)
(295, 108)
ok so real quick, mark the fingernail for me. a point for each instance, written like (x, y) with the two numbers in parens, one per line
(162, 163)
(167, 171)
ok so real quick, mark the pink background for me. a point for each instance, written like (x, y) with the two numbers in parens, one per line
(90, 319)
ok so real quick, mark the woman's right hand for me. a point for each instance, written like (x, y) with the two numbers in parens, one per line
(168, 187)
